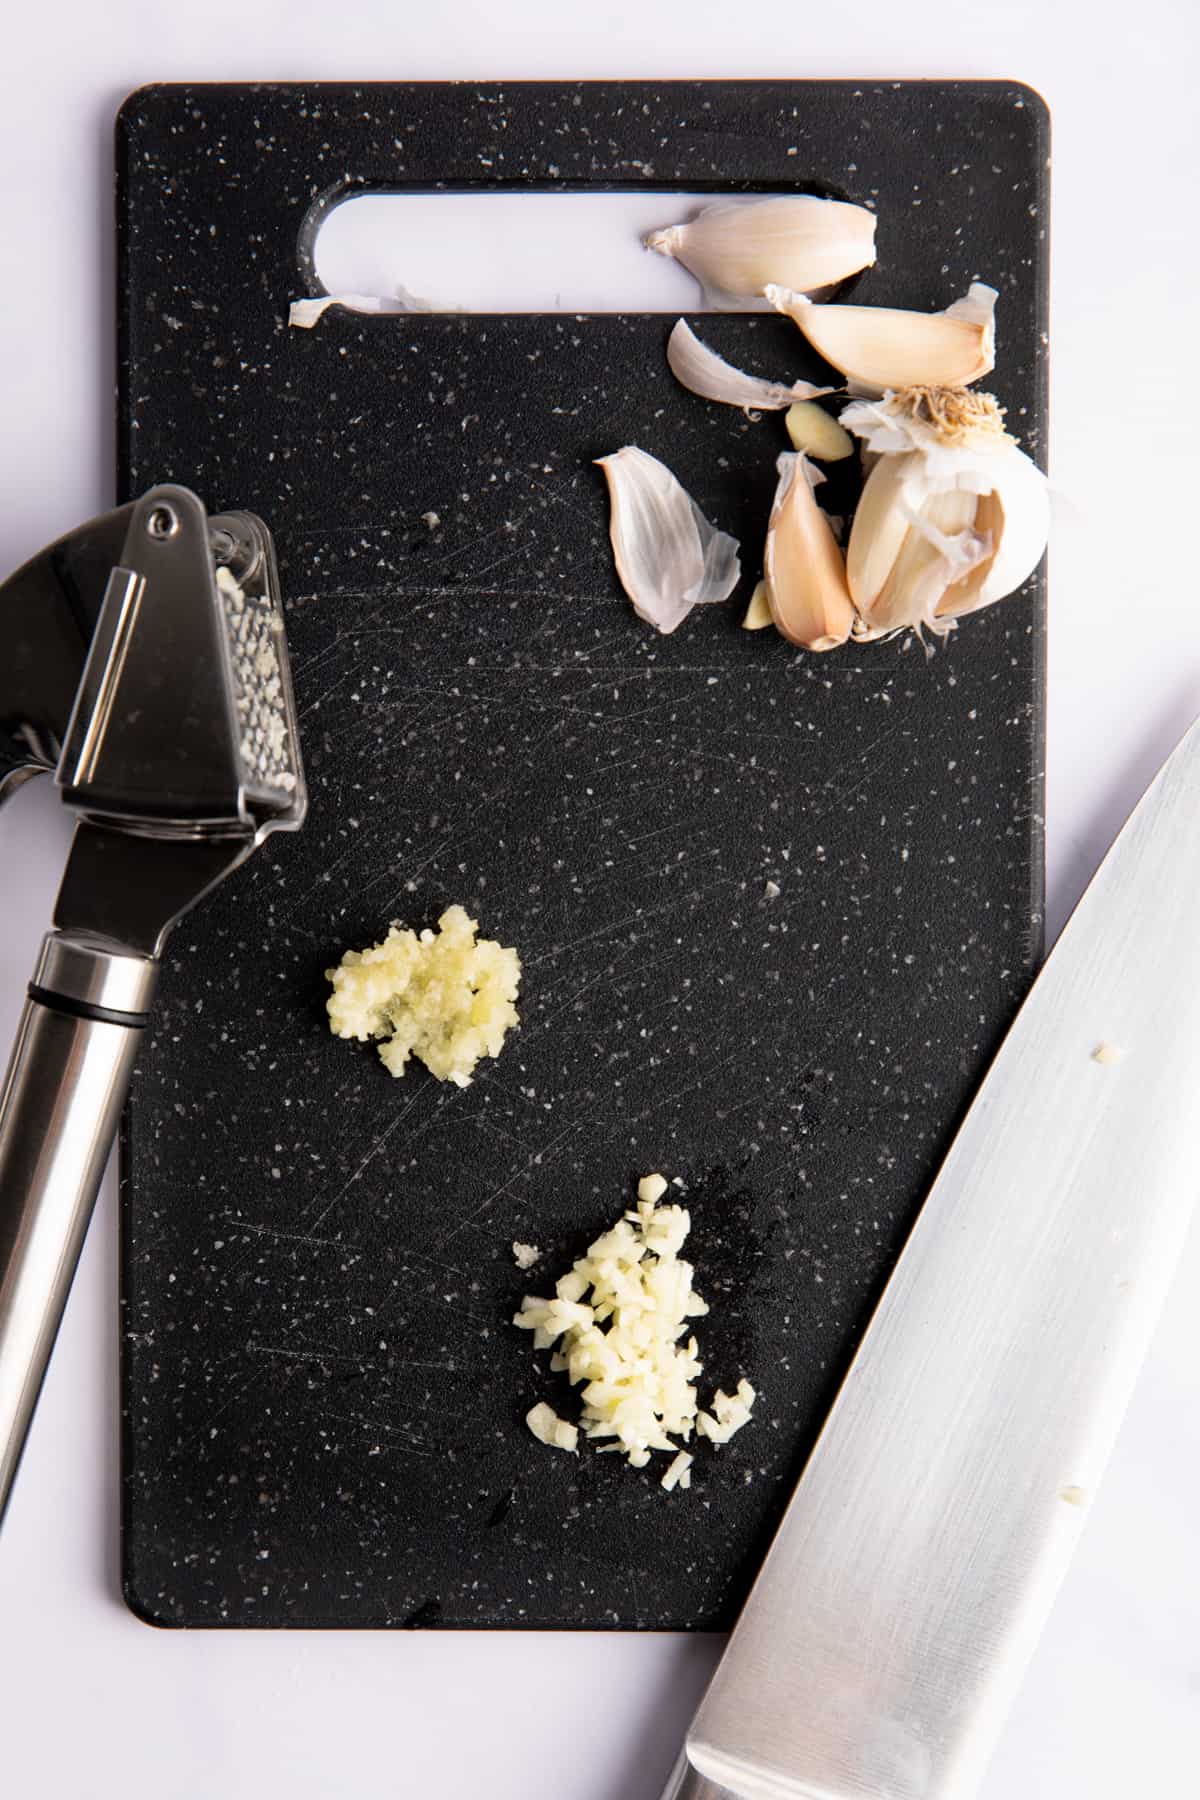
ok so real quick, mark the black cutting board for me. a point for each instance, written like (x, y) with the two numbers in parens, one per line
(323, 1395)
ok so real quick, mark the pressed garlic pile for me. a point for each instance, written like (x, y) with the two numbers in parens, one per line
(618, 1319)
(446, 997)
(952, 516)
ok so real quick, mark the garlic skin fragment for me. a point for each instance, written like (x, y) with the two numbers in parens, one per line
(880, 348)
(703, 372)
(304, 313)
(813, 431)
(735, 247)
(669, 558)
(953, 516)
(803, 567)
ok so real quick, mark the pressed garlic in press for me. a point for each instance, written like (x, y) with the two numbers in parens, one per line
(736, 247)
(953, 515)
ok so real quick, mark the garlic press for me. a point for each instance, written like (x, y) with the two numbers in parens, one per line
(147, 669)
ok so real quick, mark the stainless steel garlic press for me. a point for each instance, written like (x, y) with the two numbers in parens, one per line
(146, 667)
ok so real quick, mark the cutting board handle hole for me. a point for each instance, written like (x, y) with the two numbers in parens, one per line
(496, 250)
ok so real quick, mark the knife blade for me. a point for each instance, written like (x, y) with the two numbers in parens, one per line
(891, 1622)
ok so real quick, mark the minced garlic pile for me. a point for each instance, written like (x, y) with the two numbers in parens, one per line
(444, 997)
(624, 1343)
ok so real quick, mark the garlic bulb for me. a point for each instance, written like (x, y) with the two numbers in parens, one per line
(803, 567)
(735, 247)
(703, 372)
(880, 348)
(953, 515)
(668, 556)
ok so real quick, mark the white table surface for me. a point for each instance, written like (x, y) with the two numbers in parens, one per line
(93, 1703)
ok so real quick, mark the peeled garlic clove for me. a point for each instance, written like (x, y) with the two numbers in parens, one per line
(953, 516)
(701, 370)
(803, 567)
(758, 613)
(879, 347)
(669, 558)
(735, 247)
(816, 433)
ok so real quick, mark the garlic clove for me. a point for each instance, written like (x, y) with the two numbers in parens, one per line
(803, 567)
(735, 247)
(758, 613)
(880, 347)
(669, 558)
(701, 370)
(891, 492)
(913, 547)
(817, 433)
(941, 545)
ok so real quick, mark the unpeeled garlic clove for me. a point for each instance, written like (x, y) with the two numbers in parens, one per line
(736, 247)
(803, 567)
(817, 433)
(703, 372)
(879, 348)
(952, 518)
(668, 556)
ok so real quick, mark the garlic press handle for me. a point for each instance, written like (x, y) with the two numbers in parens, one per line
(59, 1106)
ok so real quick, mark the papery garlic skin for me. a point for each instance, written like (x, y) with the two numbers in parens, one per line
(803, 566)
(703, 372)
(304, 314)
(668, 556)
(736, 247)
(953, 516)
(880, 349)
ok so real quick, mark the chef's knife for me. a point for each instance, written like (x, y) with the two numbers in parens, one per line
(889, 1627)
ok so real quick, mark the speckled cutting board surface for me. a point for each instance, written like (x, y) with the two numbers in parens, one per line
(323, 1394)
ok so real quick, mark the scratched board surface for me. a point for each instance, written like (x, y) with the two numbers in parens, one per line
(323, 1394)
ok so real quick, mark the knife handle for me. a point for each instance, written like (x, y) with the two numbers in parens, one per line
(686, 1784)
(59, 1106)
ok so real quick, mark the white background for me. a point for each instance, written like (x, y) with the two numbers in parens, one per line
(93, 1703)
